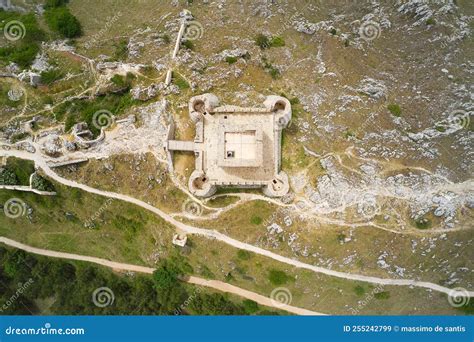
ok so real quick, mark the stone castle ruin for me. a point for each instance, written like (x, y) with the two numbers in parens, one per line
(235, 146)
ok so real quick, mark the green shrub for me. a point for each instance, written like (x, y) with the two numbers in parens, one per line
(32, 32)
(60, 20)
(262, 41)
(84, 109)
(166, 38)
(230, 59)
(277, 41)
(243, 254)
(22, 168)
(265, 42)
(349, 134)
(118, 80)
(359, 290)
(423, 223)
(7, 176)
(341, 237)
(206, 272)
(382, 295)
(395, 109)
(23, 55)
(333, 31)
(250, 307)
(431, 21)
(127, 224)
(188, 44)
(277, 277)
(214, 304)
(71, 120)
(180, 81)
(121, 50)
(55, 3)
(274, 72)
(50, 76)
(256, 220)
(40, 183)
(24, 50)
(16, 137)
(294, 101)
(123, 81)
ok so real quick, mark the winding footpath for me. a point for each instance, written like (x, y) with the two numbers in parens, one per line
(214, 284)
(212, 234)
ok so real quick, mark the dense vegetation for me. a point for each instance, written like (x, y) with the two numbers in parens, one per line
(59, 19)
(16, 172)
(8, 176)
(265, 42)
(40, 183)
(83, 110)
(55, 3)
(67, 288)
(123, 83)
(23, 50)
(24, 35)
(50, 76)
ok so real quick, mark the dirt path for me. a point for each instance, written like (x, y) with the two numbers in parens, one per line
(212, 234)
(214, 284)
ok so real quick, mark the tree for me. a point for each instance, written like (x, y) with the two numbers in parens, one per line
(171, 293)
(250, 306)
(7, 176)
(55, 3)
(38, 182)
(22, 51)
(262, 41)
(59, 19)
(215, 304)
